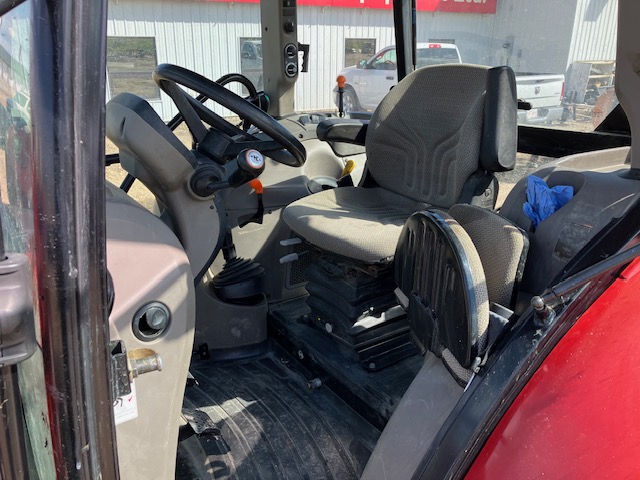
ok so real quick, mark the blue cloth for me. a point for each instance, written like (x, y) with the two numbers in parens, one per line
(542, 201)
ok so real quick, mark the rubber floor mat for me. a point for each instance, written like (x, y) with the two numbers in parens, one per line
(270, 426)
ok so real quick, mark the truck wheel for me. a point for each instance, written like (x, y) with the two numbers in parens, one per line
(350, 101)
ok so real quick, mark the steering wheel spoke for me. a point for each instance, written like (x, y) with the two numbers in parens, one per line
(224, 139)
(213, 119)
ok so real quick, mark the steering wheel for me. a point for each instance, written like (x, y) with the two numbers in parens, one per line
(225, 140)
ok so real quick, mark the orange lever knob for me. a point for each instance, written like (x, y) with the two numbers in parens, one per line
(341, 81)
(257, 186)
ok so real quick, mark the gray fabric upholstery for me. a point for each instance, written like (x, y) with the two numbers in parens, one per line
(423, 140)
(359, 223)
(422, 144)
(501, 246)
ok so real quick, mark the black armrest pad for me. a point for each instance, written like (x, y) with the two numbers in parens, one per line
(500, 127)
(345, 130)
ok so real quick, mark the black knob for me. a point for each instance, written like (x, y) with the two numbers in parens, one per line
(291, 69)
(250, 165)
(251, 161)
(289, 26)
(290, 51)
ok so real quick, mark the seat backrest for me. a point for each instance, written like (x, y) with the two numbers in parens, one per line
(433, 131)
(502, 248)
(450, 267)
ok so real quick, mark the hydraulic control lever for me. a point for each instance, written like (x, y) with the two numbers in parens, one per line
(209, 178)
(342, 81)
(251, 165)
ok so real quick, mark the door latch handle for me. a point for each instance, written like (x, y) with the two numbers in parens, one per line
(389, 77)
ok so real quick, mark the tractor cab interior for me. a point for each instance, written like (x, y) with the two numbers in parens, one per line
(309, 322)
(288, 278)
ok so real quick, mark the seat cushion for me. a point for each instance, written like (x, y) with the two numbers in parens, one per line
(363, 224)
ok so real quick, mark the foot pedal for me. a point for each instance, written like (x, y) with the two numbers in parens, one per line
(203, 426)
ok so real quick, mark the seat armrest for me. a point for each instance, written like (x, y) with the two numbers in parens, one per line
(345, 130)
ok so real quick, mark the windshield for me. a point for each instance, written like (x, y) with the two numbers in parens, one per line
(563, 51)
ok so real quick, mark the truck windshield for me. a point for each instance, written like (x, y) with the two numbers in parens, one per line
(435, 56)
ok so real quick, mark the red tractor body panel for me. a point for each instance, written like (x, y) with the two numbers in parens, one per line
(579, 416)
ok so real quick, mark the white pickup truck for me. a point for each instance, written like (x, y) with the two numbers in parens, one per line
(544, 92)
(368, 82)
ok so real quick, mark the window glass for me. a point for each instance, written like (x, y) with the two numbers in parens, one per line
(358, 49)
(385, 60)
(563, 53)
(16, 200)
(15, 131)
(130, 64)
(251, 61)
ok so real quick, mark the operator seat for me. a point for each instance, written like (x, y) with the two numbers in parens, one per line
(434, 140)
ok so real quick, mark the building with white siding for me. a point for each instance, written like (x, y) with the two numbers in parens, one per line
(183, 30)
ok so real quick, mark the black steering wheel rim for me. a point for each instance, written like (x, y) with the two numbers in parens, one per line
(166, 75)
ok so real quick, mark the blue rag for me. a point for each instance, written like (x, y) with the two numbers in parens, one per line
(542, 201)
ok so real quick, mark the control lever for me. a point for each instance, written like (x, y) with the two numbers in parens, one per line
(342, 81)
(209, 178)
(345, 180)
(257, 217)
(251, 163)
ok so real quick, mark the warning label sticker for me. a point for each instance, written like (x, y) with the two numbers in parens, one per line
(125, 408)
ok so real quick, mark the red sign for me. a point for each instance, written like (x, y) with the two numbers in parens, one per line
(455, 6)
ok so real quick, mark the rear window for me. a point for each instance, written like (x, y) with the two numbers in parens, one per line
(436, 56)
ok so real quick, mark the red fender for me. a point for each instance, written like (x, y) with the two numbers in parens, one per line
(579, 415)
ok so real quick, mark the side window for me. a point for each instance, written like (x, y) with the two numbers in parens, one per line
(251, 61)
(385, 60)
(358, 49)
(17, 232)
(130, 64)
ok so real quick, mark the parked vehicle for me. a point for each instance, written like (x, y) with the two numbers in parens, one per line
(545, 93)
(245, 327)
(370, 80)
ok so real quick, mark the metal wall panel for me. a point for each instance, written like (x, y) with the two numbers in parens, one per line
(595, 31)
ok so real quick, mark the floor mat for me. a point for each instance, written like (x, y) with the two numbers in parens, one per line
(271, 426)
